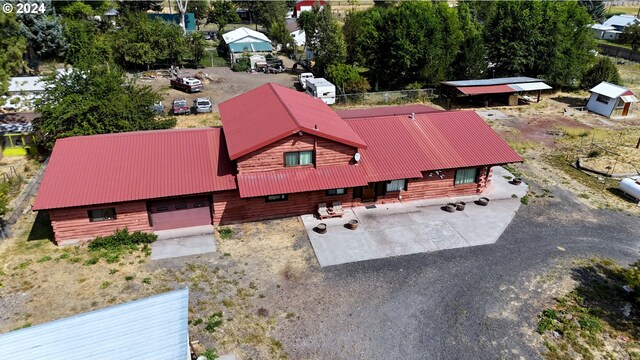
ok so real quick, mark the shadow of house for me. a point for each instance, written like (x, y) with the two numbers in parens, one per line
(41, 228)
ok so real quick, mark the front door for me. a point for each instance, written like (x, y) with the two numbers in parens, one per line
(625, 109)
(180, 213)
(369, 192)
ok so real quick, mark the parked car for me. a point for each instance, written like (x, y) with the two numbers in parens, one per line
(158, 107)
(180, 107)
(202, 105)
(187, 84)
(302, 79)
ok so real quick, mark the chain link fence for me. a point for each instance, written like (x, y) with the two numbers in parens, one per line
(386, 97)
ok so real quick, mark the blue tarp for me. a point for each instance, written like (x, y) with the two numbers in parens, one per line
(250, 47)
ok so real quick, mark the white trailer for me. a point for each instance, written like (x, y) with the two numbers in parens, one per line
(322, 89)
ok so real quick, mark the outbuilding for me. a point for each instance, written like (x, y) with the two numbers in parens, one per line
(611, 100)
(244, 41)
(491, 92)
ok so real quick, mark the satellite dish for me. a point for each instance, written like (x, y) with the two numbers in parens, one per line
(356, 157)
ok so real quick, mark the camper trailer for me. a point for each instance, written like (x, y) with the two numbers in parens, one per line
(322, 89)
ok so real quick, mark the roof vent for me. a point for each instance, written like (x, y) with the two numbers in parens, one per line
(413, 116)
(315, 127)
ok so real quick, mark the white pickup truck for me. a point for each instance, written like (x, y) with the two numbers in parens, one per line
(302, 79)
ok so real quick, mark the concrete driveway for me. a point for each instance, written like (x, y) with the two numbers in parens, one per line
(183, 242)
(416, 227)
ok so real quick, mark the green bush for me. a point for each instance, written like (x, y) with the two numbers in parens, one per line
(225, 232)
(113, 246)
(213, 322)
(210, 354)
(632, 276)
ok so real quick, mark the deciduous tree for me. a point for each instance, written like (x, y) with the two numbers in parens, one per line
(197, 46)
(603, 70)
(329, 47)
(347, 78)
(595, 8)
(631, 36)
(98, 100)
(12, 47)
(222, 13)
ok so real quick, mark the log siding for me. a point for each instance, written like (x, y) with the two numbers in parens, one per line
(72, 225)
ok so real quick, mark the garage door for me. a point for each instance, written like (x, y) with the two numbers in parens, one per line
(180, 213)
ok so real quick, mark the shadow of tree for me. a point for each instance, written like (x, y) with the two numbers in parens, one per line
(571, 101)
(600, 288)
(41, 228)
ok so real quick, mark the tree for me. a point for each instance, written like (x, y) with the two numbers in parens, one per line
(269, 12)
(222, 13)
(281, 35)
(12, 47)
(86, 46)
(127, 6)
(361, 35)
(43, 32)
(471, 61)
(329, 47)
(595, 8)
(347, 78)
(308, 22)
(197, 46)
(603, 70)
(199, 8)
(98, 100)
(631, 36)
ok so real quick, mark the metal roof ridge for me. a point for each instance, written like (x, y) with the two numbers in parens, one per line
(272, 86)
(141, 132)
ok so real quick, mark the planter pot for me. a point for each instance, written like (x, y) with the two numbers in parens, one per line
(483, 201)
(321, 228)
(451, 207)
(460, 205)
(353, 224)
(516, 181)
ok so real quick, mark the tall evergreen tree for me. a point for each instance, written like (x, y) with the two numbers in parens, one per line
(330, 48)
(595, 8)
(603, 70)
(43, 32)
(471, 61)
(12, 47)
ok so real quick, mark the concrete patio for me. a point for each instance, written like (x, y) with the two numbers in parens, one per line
(418, 226)
(183, 242)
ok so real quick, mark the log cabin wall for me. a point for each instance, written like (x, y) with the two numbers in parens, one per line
(271, 157)
(72, 225)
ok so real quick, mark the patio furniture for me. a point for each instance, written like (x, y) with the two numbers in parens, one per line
(322, 211)
(337, 208)
(321, 228)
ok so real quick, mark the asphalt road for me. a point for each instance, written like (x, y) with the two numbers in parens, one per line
(469, 303)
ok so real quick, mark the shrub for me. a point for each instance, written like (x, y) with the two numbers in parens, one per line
(590, 323)
(213, 322)
(225, 232)
(113, 246)
(210, 354)
(524, 200)
(240, 66)
(594, 153)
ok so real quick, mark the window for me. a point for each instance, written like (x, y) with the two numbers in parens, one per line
(199, 204)
(272, 198)
(162, 208)
(181, 207)
(340, 191)
(465, 176)
(395, 185)
(298, 158)
(603, 99)
(102, 214)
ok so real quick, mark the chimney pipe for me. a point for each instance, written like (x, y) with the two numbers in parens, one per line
(413, 116)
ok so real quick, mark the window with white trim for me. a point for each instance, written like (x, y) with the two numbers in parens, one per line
(340, 191)
(298, 158)
(465, 176)
(395, 185)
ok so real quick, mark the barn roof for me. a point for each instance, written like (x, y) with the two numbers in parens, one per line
(111, 168)
(385, 111)
(402, 147)
(272, 112)
(150, 328)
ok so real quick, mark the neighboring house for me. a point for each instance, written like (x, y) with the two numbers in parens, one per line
(299, 37)
(17, 134)
(621, 22)
(22, 92)
(605, 32)
(189, 19)
(306, 5)
(243, 41)
(279, 153)
(150, 328)
(611, 100)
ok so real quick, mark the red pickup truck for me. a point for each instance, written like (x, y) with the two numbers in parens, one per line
(187, 84)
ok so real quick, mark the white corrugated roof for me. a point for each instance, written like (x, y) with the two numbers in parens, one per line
(629, 98)
(621, 20)
(241, 33)
(530, 86)
(608, 89)
(602, 27)
(26, 84)
(151, 328)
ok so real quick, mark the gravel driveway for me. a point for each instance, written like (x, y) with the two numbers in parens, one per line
(469, 303)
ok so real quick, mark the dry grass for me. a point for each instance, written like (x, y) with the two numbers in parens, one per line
(198, 120)
(630, 74)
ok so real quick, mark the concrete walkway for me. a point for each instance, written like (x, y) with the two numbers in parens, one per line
(183, 242)
(416, 226)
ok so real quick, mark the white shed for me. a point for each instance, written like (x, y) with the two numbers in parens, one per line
(611, 100)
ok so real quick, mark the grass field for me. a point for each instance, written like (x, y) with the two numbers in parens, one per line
(627, 9)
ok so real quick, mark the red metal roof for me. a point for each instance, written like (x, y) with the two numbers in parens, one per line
(628, 92)
(491, 89)
(385, 111)
(400, 147)
(271, 112)
(111, 168)
(301, 179)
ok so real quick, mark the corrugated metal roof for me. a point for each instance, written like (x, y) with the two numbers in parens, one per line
(385, 111)
(602, 27)
(242, 33)
(621, 20)
(607, 89)
(486, 82)
(530, 86)
(271, 112)
(629, 98)
(250, 47)
(111, 168)
(400, 147)
(488, 89)
(151, 328)
(300, 179)
(26, 84)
